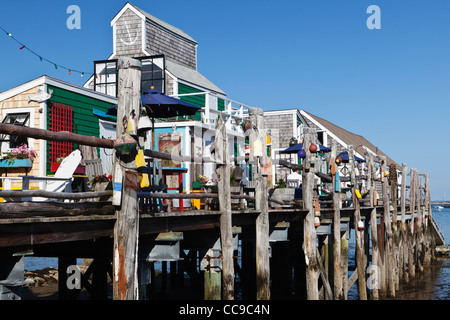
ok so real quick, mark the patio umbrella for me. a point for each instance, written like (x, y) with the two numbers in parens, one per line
(344, 156)
(159, 105)
(299, 146)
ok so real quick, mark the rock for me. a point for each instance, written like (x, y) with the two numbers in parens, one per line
(42, 278)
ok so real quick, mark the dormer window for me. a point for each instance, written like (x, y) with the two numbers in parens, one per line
(106, 79)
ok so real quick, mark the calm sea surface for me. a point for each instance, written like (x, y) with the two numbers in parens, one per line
(434, 284)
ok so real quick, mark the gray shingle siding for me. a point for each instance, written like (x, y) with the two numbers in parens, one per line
(279, 126)
(176, 48)
(129, 26)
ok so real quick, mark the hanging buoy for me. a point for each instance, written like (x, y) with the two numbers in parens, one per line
(338, 160)
(316, 221)
(360, 225)
(124, 144)
(358, 195)
(332, 166)
(317, 208)
(257, 148)
(313, 147)
(301, 153)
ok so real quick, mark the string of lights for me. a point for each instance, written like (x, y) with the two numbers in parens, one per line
(41, 58)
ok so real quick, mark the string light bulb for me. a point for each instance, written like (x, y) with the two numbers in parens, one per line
(22, 46)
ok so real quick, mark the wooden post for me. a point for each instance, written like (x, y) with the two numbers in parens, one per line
(412, 238)
(261, 205)
(427, 224)
(389, 263)
(337, 272)
(64, 293)
(310, 238)
(373, 228)
(430, 218)
(344, 261)
(359, 248)
(420, 231)
(226, 233)
(404, 231)
(126, 183)
(393, 180)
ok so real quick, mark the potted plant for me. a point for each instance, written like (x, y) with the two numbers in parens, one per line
(101, 183)
(200, 182)
(21, 156)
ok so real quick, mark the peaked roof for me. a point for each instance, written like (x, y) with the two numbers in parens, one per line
(163, 24)
(190, 75)
(178, 71)
(348, 137)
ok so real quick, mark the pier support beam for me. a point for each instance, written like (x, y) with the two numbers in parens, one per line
(359, 233)
(126, 184)
(261, 205)
(309, 233)
(226, 233)
(337, 271)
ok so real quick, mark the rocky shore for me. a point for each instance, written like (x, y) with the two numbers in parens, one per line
(42, 278)
(45, 284)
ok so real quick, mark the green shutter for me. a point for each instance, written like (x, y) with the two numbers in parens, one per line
(84, 120)
(196, 100)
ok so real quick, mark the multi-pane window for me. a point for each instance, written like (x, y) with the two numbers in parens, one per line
(152, 75)
(18, 119)
(105, 78)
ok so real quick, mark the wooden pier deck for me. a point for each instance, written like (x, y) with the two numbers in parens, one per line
(297, 250)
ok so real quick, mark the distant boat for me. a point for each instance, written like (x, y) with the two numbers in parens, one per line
(438, 208)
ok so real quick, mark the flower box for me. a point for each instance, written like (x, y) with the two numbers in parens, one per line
(18, 163)
(79, 170)
(197, 185)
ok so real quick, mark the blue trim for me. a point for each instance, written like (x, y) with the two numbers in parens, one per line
(102, 114)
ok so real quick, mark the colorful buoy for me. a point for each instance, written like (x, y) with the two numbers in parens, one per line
(313, 147)
(316, 221)
(360, 225)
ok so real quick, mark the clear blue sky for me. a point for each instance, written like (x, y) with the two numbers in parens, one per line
(391, 86)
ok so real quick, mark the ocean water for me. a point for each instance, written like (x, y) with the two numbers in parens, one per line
(434, 283)
(39, 263)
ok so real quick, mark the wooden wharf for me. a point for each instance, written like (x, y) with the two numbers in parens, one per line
(291, 249)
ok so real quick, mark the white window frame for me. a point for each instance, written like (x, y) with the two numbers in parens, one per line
(6, 111)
